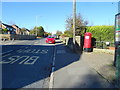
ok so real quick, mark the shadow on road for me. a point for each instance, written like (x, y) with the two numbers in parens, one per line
(65, 56)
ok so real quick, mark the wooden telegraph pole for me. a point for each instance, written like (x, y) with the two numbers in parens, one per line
(74, 22)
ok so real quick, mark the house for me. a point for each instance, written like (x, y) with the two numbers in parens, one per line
(25, 31)
(9, 29)
(2, 26)
(18, 30)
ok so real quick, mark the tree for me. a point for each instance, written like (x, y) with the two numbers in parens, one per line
(40, 31)
(1, 31)
(58, 33)
(80, 23)
(33, 32)
(5, 30)
(47, 34)
(68, 33)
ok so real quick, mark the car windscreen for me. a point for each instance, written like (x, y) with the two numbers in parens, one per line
(50, 37)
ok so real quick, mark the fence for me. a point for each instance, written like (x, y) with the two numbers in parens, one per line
(102, 44)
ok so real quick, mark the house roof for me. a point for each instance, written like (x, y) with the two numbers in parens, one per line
(28, 30)
(15, 25)
(7, 25)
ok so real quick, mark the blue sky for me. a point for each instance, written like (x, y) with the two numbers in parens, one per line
(52, 15)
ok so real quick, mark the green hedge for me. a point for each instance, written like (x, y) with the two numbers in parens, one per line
(102, 33)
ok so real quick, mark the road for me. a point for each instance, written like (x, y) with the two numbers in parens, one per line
(26, 63)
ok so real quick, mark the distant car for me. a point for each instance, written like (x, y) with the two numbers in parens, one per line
(50, 39)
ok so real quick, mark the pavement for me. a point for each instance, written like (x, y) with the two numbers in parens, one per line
(73, 71)
(102, 63)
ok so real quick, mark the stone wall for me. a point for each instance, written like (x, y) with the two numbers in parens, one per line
(17, 37)
(69, 42)
(79, 43)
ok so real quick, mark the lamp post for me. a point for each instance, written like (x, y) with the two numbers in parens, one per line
(119, 7)
(36, 25)
(74, 21)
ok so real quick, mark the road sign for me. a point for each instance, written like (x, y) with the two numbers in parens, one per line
(117, 45)
(117, 28)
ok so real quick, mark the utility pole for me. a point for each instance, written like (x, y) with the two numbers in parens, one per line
(36, 25)
(74, 22)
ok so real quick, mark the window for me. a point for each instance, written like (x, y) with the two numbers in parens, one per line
(11, 29)
(7, 28)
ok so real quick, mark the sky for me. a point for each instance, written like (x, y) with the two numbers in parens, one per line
(52, 15)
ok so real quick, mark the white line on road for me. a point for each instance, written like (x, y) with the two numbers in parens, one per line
(52, 73)
(7, 52)
(61, 51)
(6, 55)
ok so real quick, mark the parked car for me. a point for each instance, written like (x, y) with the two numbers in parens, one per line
(50, 39)
(4, 39)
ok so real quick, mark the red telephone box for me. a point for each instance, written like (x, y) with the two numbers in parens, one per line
(87, 42)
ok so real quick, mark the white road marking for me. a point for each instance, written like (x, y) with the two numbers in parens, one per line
(38, 51)
(2, 62)
(13, 59)
(33, 59)
(27, 51)
(44, 51)
(61, 51)
(24, 59)
(19, 51)
(7, 52)
(10, 59)
(6, 55)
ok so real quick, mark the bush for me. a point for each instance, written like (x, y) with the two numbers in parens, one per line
(102, 33)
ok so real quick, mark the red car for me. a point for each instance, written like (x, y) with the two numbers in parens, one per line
(50, 39)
